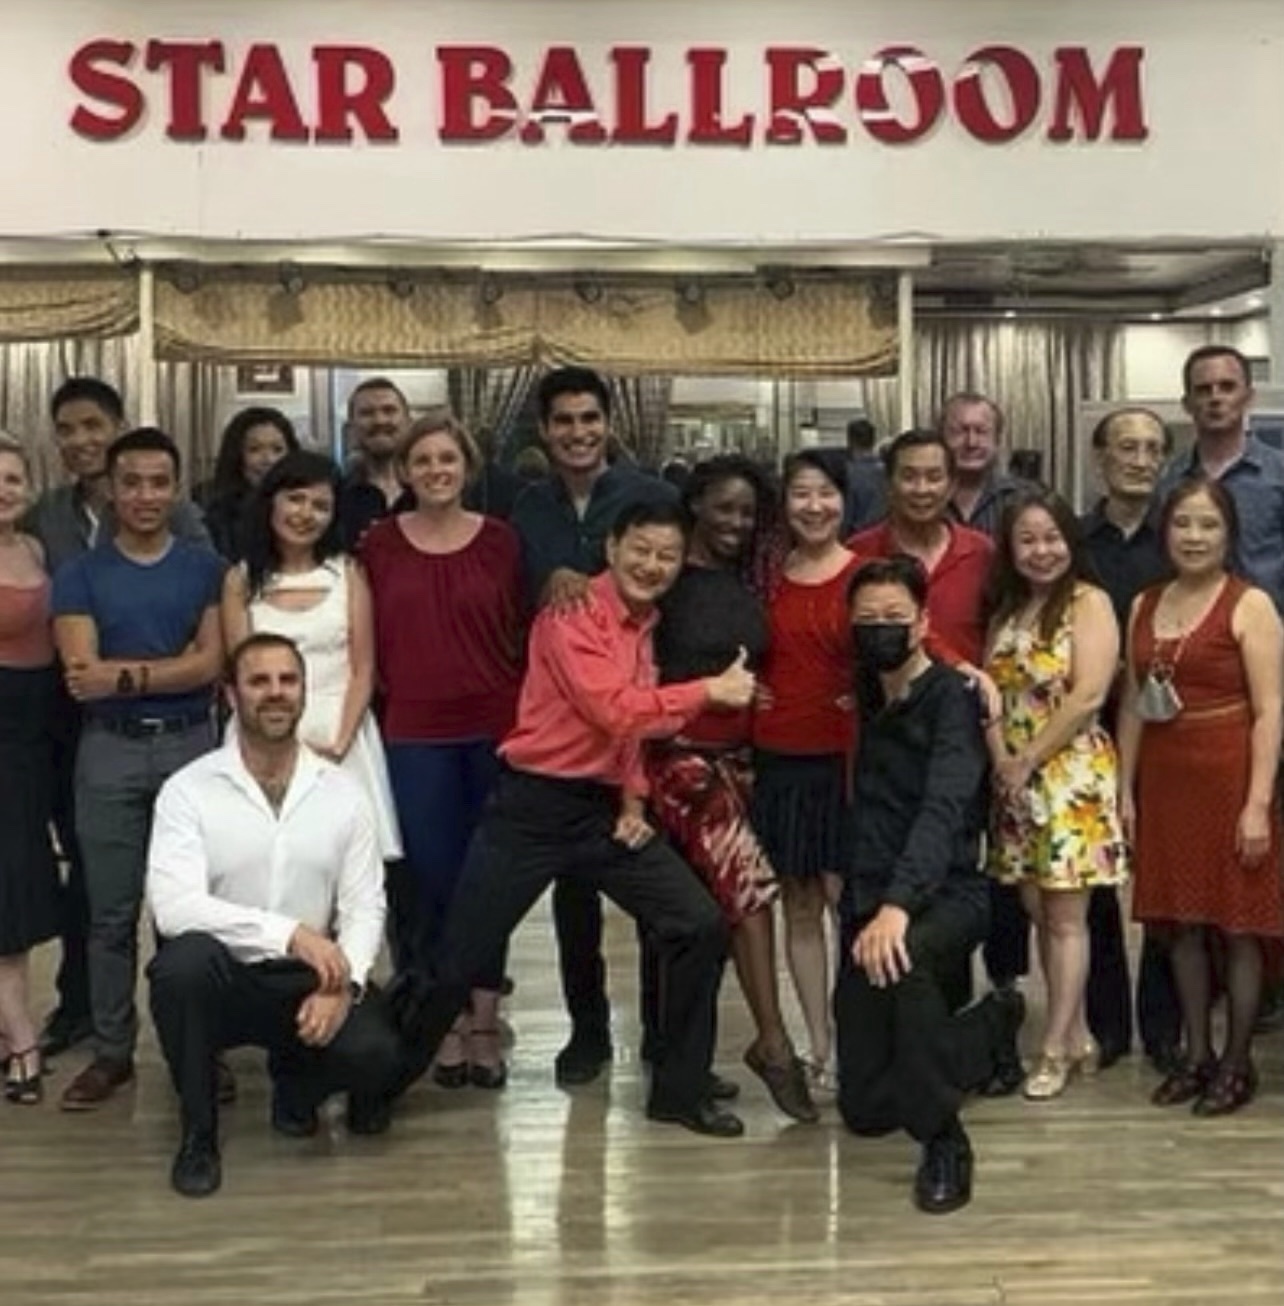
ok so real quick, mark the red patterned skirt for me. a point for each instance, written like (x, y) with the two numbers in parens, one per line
(701, 799)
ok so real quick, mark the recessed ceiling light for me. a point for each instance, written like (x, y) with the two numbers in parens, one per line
(1216, 312)
(1010, 313)
(1156, 317)
(1255, 301)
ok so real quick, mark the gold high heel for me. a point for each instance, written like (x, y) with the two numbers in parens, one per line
(1087, 1059)
(1048, 1079)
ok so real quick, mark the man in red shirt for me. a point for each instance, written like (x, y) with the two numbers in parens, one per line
(570, 803)
(920, 485)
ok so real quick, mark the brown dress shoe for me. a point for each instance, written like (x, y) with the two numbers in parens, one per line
(95, 1084)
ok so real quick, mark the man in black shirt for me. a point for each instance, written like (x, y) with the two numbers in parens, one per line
(1122, 539)
(914, 903)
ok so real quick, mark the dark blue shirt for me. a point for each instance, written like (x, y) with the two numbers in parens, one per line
(554, 536)
(866, 501)
(1255, 480)
(142, 611)
(1125, 564)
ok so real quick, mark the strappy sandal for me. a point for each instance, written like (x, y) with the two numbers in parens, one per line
(1186, 1082)
(1227, 1092)
(22, 1085)
(482, 1074)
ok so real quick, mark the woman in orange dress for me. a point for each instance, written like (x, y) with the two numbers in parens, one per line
(1200, 742)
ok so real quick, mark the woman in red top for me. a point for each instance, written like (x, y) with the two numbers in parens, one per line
(804, 731)
(1199, 740)
(446, 586)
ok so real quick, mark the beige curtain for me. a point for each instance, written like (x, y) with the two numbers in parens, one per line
(1035, 370)
(488, 399)
(640, 414)
(53, 304)
(187, 404)
(817, 325)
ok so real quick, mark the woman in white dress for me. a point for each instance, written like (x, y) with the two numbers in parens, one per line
(295, 581)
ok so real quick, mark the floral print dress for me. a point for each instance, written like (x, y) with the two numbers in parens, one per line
(1063, 830)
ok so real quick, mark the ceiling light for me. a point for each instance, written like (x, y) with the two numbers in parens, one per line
(1216, 311)
(588, 290)
(1010, 313)
(689, 293)
(781, 286)
(490, 291)
(401, 287)
(291, 278)
(1156, 317)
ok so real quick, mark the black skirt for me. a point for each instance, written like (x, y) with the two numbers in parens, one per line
(29, 889)
(800, 812)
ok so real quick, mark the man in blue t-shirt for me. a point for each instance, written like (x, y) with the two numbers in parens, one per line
(563, 522)
(136, 622)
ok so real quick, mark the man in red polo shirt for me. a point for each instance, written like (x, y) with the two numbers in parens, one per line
(920, 484)
(570, 803)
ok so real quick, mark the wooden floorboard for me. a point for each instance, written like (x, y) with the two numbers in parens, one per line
(538, 1197)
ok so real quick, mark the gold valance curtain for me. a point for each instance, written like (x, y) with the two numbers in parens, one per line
(39, 304)
(814, 325)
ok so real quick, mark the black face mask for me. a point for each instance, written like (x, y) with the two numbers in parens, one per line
(881, 646)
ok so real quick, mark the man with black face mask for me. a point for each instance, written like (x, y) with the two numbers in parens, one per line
(914, 902)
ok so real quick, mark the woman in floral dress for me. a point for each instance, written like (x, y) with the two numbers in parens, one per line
(1053, 650)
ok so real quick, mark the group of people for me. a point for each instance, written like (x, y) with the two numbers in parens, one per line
(967, 722)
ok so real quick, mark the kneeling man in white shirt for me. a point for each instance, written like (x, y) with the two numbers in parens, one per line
(265, 883)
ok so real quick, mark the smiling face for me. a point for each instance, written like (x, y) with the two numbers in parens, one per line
(15, 488)
(920, 486)
(1040, 553)
(378, 417)
(301, 515)
(813, 507)
(268, 693)
(1197, 540)
(144, 489)
(83, 431)
(264, 447)
(436, 470)
(575, 433)
(644, 562)
(725, 515)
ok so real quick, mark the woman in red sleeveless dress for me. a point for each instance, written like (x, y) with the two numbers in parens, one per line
(1199, 742)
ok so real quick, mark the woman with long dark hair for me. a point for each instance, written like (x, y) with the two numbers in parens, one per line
(701, 780)
(1199, 736)
(296, 581)
(1052, 651)
(252, 442)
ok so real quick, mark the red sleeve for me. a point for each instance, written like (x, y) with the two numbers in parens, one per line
(583, 662)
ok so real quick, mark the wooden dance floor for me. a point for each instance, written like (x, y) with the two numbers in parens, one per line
(538, 1197)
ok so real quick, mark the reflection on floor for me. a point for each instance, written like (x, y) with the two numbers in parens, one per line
(537, 1197)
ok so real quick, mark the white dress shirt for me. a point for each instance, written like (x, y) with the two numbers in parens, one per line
(222, 862)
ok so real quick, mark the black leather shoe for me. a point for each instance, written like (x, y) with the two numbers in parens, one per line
(1109, 1052)
(1008, 1008)
(582, 1060)
(368, 1116)
(290, 1119)
(944, 1179)
(706, 1118)
(62, 1032)
(197, 1170)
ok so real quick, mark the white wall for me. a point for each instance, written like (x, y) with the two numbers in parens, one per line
(1154, 353)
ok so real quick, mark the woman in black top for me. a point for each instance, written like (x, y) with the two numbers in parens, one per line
(255, 440)
(700, 780)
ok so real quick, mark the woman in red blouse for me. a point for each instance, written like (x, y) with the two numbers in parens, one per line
(804, 731)
(446, 585)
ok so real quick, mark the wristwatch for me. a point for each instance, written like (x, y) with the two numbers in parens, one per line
(356, 992)
(125, 682)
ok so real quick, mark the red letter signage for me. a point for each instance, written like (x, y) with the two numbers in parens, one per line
(972, 106)
(339, 105)
(470, 73)
(792, 107)
(185, 60)
(108, 88)
(1082, 95)
(264, 91)
(925, 84)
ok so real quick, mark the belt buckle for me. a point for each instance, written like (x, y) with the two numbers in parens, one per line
(150, 726)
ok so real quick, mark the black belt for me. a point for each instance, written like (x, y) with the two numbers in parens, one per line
(147, 727)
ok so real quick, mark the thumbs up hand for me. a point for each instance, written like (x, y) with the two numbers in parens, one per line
(735, 686)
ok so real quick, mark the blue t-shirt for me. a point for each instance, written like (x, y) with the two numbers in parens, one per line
(143, 611)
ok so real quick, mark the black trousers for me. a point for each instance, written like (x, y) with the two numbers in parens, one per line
(72, 979)
(1108, 995)
(537, 829)
(204, 1000)
(1158, 1007)
(577, 922)
(1006, 950)
(905, 1060)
